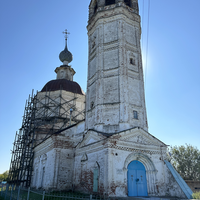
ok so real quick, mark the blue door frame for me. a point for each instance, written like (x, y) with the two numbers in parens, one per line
(136, 176)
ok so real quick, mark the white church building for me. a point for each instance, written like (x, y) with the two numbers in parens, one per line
(108, 149)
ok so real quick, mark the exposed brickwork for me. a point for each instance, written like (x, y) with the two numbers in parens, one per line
(87, 181)
(63, 142)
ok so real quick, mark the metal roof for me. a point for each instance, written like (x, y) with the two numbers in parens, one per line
(63, 84)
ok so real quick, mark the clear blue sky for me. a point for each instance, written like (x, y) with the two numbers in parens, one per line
(31, 40)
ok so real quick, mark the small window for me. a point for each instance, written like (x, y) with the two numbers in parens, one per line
(132, 61)
(135, 114)
(127, 2)
(109, 2)
(92, 104)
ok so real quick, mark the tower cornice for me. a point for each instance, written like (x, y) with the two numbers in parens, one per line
(110, 7)
(113, 11)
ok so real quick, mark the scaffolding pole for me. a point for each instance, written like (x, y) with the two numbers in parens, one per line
(44, 115)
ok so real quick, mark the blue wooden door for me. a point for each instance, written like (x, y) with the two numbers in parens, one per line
(137, 184)
(132, 186)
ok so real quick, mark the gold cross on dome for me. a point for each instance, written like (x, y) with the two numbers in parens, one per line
(66, 33)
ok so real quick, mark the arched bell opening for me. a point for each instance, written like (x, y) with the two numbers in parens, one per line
(127, 2)
(109, 2)
(95, 7)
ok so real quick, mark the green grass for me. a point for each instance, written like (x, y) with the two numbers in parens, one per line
(67, 195)
(55, 195)
(196, 195)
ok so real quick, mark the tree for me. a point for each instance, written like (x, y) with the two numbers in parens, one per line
(4, 176)
(186, 161)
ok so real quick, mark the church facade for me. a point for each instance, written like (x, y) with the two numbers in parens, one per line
(109, 151)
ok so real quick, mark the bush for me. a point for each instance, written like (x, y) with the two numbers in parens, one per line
(186, 161)
(196, 195)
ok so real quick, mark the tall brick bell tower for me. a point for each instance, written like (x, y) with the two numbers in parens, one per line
(115, 85)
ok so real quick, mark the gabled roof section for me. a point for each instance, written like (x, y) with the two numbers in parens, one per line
(139, 136)
(90, 138)
(136, 135)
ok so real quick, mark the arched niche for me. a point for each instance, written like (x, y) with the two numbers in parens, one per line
(145, 160)
(150, 170)
(44, 159)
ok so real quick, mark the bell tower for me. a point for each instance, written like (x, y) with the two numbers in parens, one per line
(115, 86)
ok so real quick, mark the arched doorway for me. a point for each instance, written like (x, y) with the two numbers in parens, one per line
(136, 176)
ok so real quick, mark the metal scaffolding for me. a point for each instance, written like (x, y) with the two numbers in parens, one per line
(44, 115)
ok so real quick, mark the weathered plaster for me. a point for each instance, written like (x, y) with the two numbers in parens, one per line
(110, 138)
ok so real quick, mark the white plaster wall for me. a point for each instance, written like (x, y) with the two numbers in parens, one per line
(65, 169)
(58, 170)
(114, 38)
(59, 159)
(48, 176)
(115, 153)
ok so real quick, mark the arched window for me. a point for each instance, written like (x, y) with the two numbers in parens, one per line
(36, 177)
(109, 2)
(92, 105)
(135, 114)
(127, 2)
(43, 174)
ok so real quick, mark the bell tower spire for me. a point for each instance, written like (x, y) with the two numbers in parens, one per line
(115, 85)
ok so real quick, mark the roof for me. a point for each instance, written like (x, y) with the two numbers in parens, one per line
(63, 84)
(138, 128)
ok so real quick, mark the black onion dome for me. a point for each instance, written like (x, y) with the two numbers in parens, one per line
(65, 55)
(63, 84)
